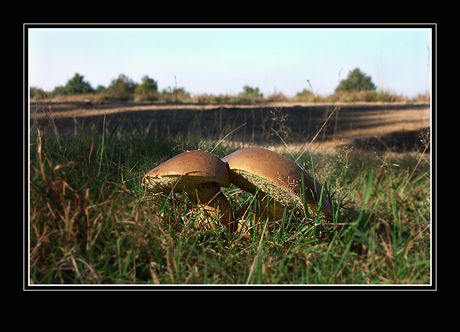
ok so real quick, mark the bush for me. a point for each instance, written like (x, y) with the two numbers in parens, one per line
(276, 97)
(223, 98)
(356, 81)
(421, 98)
(386, 96)
(203, 98)
(121, 89)
(250, 95)
(210, 98)
(175, 95)
(100, 89)
(147, 90)
(76, 86)
(36, 93)
(304, 95)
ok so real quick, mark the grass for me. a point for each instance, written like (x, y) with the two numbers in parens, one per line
(92, 223)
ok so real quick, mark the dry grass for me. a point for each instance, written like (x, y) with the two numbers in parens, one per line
(337, 97)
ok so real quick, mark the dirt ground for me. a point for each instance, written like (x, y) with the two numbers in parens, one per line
(397, 127)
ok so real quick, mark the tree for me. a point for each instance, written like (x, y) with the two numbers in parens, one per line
(121, 88)
(147, 90)
(76, 86)
(100, 89)
(250, 93)
(58, 91)
(356, 81)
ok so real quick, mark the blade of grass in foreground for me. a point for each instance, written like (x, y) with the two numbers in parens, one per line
(102, 147)
(367, 194)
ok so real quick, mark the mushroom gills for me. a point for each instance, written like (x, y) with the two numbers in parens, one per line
(270, 172)
(200, 174)
(251, 182)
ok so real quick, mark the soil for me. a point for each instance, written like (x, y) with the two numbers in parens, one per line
(397, 127)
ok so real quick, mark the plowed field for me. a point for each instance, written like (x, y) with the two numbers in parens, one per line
(365, 125)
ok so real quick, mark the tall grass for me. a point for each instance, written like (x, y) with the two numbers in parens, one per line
(92, 223)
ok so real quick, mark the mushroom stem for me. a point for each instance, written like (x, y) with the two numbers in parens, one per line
(214, 203)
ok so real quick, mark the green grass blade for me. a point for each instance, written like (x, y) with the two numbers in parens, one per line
(114, 129)
(367, 194)
(394, 205)
(102, 148)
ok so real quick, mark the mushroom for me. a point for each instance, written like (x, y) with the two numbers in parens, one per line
(270, 174)
(200, 174)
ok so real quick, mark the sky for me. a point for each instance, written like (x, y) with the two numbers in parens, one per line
(222, 61)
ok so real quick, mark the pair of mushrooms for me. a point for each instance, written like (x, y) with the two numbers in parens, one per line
(255, 170)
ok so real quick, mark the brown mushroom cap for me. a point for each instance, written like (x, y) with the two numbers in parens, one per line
(270, 172)
(200, 174)
(187, 170)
